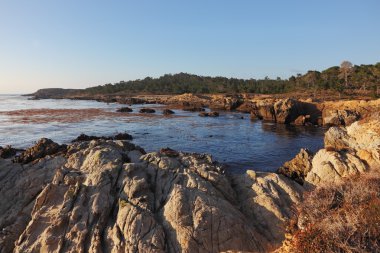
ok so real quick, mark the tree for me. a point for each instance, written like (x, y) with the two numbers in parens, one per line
(345, 70)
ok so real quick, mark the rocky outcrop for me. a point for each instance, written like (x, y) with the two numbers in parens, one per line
(343, 186)
(188, 100)
(333, 117)
(119, 136)
(348, 151)
(44, 147)
(285, 111)
(344, 113)
(7, 152)
(274, 108)
(107, 196)
(226, 102)
(298, 167)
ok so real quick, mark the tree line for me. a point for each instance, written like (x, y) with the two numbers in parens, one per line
(338, 78)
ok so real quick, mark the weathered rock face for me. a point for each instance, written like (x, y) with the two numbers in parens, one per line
(19, 187)
(298, 167)
(285, 111)
(267, 198)
(339, 117)
(43, 148)
(188, 100)
(348, 151)
(344, 113)
(226, 102)
(106, 196)
(331, 166)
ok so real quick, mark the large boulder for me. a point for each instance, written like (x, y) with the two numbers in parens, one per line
(285, 111)
(331, 166)
(348, 151)
(263, 110)
(298, 167)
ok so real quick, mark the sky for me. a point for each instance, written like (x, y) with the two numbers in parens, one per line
(82, 43)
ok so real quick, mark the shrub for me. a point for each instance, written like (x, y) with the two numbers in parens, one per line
(343, 217)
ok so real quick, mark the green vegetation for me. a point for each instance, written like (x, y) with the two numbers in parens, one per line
(346, 77)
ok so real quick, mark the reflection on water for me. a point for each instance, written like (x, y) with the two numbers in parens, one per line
(240, 143)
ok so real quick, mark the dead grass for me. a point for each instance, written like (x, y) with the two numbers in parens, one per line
(339, 218)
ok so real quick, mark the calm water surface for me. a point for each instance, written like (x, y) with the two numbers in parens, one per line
(240, 143)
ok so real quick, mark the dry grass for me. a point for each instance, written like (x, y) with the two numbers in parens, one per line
(339, 218)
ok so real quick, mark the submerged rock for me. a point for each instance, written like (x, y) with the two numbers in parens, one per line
(167, 112)
(147, 110)
(124, 109)
(194, 109)
(209, 114)
(123, 136)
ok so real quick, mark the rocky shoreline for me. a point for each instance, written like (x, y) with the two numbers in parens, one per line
(107, 195)
(283, 110)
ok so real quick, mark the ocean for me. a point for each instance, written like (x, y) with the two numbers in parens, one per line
(232, 138)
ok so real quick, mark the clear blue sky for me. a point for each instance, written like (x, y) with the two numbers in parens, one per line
(78, 43)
